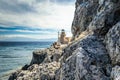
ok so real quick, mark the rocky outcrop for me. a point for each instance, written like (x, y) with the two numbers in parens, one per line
(94, 53)
(93, 56)
(46, 55)
(84, 13)
(95, 15)
(113, 43)
(43, 65)
(90, 61)
(44, 71)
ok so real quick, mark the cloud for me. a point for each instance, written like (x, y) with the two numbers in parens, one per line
(15, 6)
(47, 14)
(28, 15)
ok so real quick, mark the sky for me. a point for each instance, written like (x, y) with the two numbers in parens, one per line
(35, 19)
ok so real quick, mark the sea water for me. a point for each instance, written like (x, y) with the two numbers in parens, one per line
(14, 55)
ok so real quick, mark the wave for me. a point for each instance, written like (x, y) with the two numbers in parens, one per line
(8, 56)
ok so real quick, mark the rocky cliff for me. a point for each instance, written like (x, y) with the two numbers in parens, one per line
(93, 54)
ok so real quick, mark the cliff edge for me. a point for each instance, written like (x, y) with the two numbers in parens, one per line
(93, 54)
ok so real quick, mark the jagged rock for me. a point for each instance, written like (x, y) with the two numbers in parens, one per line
(115, 74)
(95, 15)
(107, 15)
(46, 55)
(90, 61)
(39, 56)
(84, 13)
(25, 67)
(45, 71)
(14, 75)
(113, 43)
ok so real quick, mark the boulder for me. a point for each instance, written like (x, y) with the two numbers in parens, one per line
(39, 56)
(115, 74)
(113, 43)
(46, 55)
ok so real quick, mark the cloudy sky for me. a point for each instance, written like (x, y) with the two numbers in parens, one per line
(35, 19)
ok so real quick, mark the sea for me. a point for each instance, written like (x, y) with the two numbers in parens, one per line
(14, 55)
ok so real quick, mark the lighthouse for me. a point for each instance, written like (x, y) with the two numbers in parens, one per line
(62, 39)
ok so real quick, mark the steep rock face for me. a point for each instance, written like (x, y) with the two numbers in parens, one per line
(84, 13)
(94, 56)
(113, 43)
(90, 61)
(95, 15)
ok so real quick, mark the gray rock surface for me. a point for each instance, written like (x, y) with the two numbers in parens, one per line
(46, 55)
(90, 61)
(95, 15)
(84, 13)
(113, 43)
(44, 71)
(115, 74)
